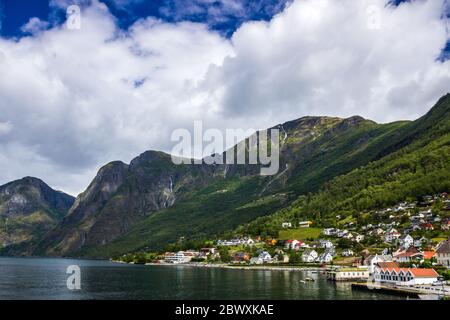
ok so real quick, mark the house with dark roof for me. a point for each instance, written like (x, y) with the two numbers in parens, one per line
(443, 253)
(409, 255)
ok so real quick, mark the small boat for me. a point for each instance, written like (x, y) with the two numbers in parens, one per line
(309, 279)
(302, 281)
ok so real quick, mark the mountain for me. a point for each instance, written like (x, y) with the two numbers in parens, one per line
(325, 160)
(28, 209)
(152, 202)
(415, 163)
(121, 196)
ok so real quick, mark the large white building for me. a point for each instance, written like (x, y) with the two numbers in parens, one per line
(405, 276)
(179, 257)
(347, 274)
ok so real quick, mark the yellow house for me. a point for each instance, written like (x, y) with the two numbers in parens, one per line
(305, 224)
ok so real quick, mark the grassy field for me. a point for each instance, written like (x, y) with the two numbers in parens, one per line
(300, 234)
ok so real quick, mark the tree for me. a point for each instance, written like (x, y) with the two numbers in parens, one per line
(224, 255)
(294, 258)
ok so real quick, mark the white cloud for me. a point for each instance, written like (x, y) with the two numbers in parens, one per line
(5, 128)
(35, 25)
(319, 57)
(76, 99)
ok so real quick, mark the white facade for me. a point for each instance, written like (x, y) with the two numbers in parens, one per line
(177, 258)
(347, 253)
(325, 257)
(392, 235)
(309, 256)
(265, 257)
(326, 244)
(443, 254)
(406, 277)
(329, 231)
(406, 241)
(374, 260)
(347, 274)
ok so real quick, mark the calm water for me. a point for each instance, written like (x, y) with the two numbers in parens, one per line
(46, 279)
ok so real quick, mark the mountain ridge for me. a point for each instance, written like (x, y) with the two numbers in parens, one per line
(151, 202)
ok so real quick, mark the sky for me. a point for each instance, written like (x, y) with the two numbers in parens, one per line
(73, 99)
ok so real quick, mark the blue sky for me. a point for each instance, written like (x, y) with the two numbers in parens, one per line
(222, 15)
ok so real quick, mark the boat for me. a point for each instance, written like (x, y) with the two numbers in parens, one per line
(309, 279)
(302, 281)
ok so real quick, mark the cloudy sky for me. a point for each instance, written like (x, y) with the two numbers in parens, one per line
(72, 100)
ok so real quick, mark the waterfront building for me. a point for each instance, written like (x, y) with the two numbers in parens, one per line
(348, 274)
(406, 276)
(309, 256)
(177, 258)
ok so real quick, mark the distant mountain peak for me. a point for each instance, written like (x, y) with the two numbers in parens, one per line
(31, 208)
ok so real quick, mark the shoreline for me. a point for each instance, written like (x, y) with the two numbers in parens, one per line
(237, 267)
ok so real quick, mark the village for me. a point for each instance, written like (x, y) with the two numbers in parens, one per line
(404, 246)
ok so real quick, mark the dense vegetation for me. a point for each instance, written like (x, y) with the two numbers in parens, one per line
(419, 168)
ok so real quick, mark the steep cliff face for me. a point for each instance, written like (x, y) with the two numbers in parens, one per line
(119, 197)
(28, 209)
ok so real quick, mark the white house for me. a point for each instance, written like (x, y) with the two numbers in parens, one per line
(325, 257)
(347, 253)
(286, 225)
(392, 235)
(304, 224)
(293, 244)
(443, 254)
(405, 276)
(309, 256)
(406, 241)
(359, 238)
(326, 244)
(249, 241)
(373, 260)
(265, 257)
(329, 231)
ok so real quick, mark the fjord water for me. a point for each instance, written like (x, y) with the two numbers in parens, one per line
(33, 278)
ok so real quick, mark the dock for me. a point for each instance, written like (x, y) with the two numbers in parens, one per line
(410, 292)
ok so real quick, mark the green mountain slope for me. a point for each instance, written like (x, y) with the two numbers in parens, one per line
(28, 209)
(419, 164)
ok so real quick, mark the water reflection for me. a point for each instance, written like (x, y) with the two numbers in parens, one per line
(46, 279)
